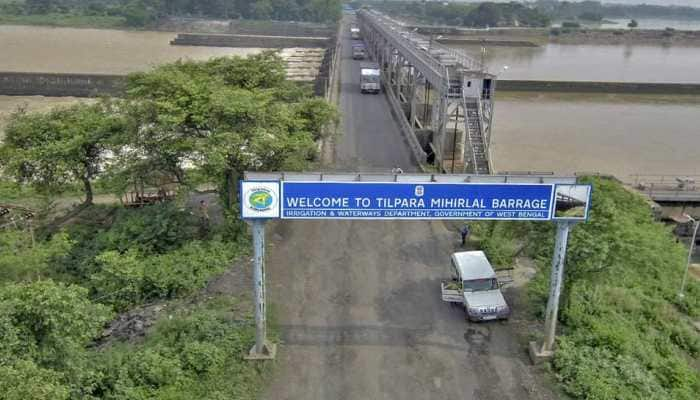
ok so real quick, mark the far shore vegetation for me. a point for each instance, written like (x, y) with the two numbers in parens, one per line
(150, 13)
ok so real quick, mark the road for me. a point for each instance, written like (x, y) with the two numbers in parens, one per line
(358, 302)
(370, 139)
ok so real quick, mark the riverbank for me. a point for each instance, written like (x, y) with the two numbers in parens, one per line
(175, 25)
(570, 36)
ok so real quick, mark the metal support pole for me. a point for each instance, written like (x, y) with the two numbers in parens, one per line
(262, 349)
(454, 139)
(412, 94)
(555, 283)
(259, 282)
(690, 257)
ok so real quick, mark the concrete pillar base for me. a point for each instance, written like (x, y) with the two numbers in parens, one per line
(538, 356)
(269, 352)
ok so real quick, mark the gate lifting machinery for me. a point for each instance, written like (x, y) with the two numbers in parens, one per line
(446, 95)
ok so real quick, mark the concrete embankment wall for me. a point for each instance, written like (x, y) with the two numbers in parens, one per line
(273, 42)
(245, 27)
(574, 36)
(58, 85)
(91, 85)
(487, 42)
(598, 87)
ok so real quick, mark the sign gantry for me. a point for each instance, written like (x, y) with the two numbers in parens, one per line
(267, 196)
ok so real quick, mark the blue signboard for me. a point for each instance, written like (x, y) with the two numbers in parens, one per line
(397, 200)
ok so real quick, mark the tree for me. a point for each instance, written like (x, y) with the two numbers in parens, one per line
(226, 116)
(591, 16)
(39, 6)
(486, 14)
(62, 147)
(633, 24)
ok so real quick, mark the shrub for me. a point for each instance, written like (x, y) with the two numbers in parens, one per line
(20, 260)
(132, 278)
(24, 380)
(150, 230)
(53, 319)
(191, 354)
(570, 24)
(202, 357)
(623, 334)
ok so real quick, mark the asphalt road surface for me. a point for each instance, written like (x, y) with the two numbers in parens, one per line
(370, 139)
(358, 302)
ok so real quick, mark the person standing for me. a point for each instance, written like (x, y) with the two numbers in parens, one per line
(203, 218)
(464, 233)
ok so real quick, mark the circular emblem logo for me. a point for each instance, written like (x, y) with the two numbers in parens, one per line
(260, 199)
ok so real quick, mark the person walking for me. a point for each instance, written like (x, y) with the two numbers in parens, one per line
(464, 233)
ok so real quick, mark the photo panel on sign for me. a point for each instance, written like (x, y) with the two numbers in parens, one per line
(571, 202)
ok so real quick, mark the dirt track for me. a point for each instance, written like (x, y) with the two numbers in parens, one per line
(358, 302)
(361, 318)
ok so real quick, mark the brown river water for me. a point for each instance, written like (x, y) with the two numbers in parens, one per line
(41, 49)
(561, 133)
(613, 134)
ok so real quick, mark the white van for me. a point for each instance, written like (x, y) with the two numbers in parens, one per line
(475, 286)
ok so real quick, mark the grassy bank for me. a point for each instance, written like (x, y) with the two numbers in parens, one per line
(625, 334)
(65, 20)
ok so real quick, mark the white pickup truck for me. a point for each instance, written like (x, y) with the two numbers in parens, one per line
(476, 287)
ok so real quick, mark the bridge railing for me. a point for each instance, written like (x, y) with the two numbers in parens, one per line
(673, 182)
(459, 56)
(431, 68)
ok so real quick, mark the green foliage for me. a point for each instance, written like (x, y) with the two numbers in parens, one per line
(151, 230)
(591, 16)
(501, 241)
(570, 24)
(65, 146)
(498, 240)
(486, 14)
(225, 115)
(625, 333)
(140, 13)
(132, 278)
(569, 9)
(633, 24)
(155, 229)
(45, 327)
(193, 354)
(25, 380)
(20, 260)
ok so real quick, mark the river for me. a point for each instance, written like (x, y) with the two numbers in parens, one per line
(614, 134)
(563, 133)
(42, 49)
(45, 49)
(593, 62)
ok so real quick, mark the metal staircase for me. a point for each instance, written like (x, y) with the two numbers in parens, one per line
(476, 148)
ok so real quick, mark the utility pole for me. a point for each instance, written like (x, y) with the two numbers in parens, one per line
(546, 351)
